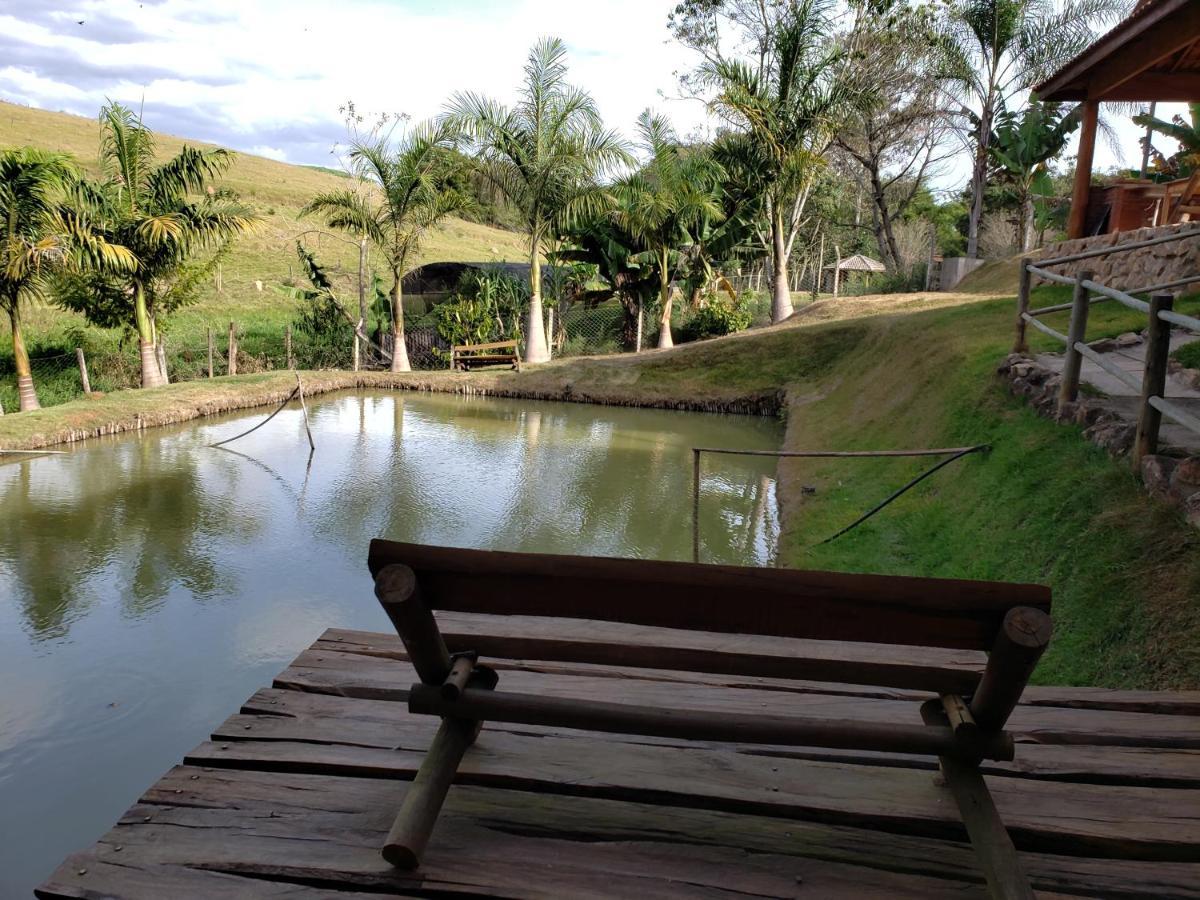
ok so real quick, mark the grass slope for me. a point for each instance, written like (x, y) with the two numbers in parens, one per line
(277, 191)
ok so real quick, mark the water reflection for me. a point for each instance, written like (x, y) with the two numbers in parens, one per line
(148, 584)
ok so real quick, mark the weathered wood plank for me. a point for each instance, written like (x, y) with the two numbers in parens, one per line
(780, 602)
(515, 637)
(378, 723)
(310, 830)
(355, 675)
(1118, 821)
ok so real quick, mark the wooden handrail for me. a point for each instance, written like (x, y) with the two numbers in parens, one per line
(494, 345)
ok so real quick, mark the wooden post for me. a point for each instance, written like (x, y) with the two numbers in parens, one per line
(695, 504)
(638, 345)
(819, 274)
(83, 373)
(1154, 378)
(423, 800)
(932, 254)
(1022, 639)
(550, 331)
(837, 270)
(461, 667)
(304, 409)
(1068, 390)
(231, 366)
(400, 596)
(1077, 221)
(1021, 344)
(354, 354)
(287, 347)
(210, 353)
(994, 850)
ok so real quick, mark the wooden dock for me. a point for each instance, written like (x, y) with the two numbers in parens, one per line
(294, 794)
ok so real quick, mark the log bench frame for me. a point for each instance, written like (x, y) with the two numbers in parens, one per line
(960, 728)
(464, 356)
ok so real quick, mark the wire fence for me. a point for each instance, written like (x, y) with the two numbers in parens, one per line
(574, 329)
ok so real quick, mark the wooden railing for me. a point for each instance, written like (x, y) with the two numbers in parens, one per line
(1161, 316)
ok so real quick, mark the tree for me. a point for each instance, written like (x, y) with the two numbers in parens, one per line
(1021, 147)
(545, 155)
(40, 235)
(788, 103)
(1186, 134)
(992, 51)
(663, 205)
(893, 126)
(153, 211)
(415, 179)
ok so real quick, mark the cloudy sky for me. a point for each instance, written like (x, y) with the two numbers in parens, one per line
(268, 76)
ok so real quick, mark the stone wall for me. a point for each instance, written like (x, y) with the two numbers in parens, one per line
(955, 269)
(1134, 268)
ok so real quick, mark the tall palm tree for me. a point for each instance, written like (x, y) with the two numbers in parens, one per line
(995, 50)
(153, 211)
(545, 156)
(415, 181)
(665, 203)
(788, 104)
(39, 235)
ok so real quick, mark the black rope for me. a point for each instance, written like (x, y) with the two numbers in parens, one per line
(294, 392)
(907, 487)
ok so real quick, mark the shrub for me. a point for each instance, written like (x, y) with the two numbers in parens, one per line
(720, 315)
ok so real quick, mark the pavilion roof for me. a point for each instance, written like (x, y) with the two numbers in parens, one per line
(858, 263)
(1152, 55)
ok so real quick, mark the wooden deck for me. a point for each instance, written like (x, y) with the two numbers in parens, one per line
(294, 794)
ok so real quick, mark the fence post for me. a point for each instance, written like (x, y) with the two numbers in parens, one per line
(1021, 344)
(210, 353)
(1069, 389)
(231, 367)
(550, 331)
(638, 345)
(1154, 379)
(287, 345)
(354, 359)
(83, 373)
(695, 504)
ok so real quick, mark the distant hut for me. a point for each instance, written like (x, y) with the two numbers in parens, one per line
(856, 263)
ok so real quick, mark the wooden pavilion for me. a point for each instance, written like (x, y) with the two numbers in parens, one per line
(1153, 55)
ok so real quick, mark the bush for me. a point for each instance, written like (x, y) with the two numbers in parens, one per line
(718, 316)
(1188, 355)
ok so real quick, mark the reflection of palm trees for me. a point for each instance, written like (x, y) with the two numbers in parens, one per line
(141, 510)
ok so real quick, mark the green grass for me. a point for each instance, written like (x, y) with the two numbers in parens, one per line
(1188, 355)
(277, 191)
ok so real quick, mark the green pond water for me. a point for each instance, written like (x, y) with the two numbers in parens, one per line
(150, 584)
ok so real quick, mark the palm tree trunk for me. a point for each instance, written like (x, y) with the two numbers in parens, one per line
(535, 332)
(979, 180)
(399, 347)
(1025, 237)
(781, 300)
(151, 374)
(25, 392)
(665, 301)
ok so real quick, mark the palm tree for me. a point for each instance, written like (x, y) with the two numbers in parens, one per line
(673, 196)
(995, 50)
(415, 181)
(545, 156)
(150, 209)
(41, 234)
(1186, 133)
(788, 105)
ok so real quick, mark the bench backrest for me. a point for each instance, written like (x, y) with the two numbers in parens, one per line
(728, 599)
(494, 345)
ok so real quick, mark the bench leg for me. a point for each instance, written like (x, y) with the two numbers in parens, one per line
(994, 850)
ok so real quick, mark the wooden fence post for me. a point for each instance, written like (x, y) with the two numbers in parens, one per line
(231, 367)
(83, 373)
(1154, 378)
(210, 353)
(550, 331)
(1021, 344)
(287, 344)
(1069, 389)
(354, 358)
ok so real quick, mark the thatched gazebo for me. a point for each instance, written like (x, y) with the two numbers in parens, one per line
(856, 263)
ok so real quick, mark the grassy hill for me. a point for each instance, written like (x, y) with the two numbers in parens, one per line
(275, 190)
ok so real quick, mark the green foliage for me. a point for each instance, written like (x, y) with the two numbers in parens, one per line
(326, 334)
(486, 306)
(1188, 355)
(719, 315)
(1186, 133)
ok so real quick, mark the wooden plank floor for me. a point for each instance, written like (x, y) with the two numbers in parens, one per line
(294, 794)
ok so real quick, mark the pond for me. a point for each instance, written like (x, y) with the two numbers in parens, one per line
(149, 584)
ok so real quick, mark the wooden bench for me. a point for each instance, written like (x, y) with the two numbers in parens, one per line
(962, 721)
(467, 356)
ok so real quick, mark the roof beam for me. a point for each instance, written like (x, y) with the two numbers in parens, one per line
(1154, 44)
